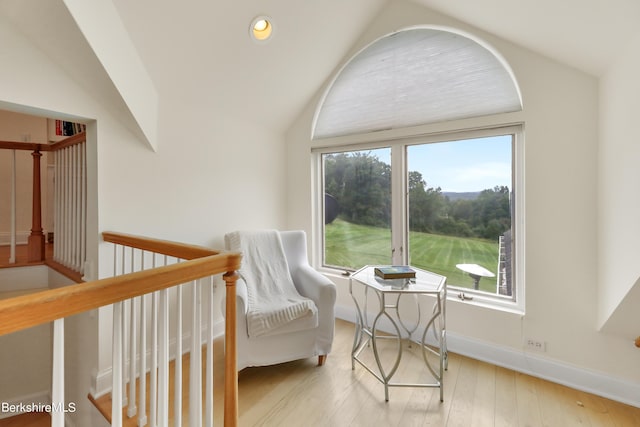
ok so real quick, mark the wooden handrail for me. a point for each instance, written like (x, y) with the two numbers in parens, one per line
(29, 146)
(34, 309)
(40, 146)
(29, 310)
(165, 247)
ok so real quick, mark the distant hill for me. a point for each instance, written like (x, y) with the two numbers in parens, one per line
(470, 195)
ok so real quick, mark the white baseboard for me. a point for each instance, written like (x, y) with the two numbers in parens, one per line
(101, 381)
(532, 364)
(583, 379)
(549, 369)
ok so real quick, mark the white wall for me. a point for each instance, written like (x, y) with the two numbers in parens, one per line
(212, 173)
(19, 127)
(30, 83)
(25, 364)
(560, 117)
(619, 199)
(25, 358)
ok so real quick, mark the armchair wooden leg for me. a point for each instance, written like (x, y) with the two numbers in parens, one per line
(321, 359)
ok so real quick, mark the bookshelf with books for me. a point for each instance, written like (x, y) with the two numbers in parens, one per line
(61, 129)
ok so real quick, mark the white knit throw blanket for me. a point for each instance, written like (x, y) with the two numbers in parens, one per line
(273, 298)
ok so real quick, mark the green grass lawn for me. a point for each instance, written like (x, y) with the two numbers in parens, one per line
(352, 245)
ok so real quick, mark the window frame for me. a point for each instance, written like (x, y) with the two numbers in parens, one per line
(399, 205)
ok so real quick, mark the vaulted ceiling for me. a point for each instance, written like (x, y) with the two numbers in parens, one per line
(586, 34)
(198, 51)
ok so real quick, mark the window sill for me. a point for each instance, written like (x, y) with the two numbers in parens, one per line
(479, 300)
(335, 274)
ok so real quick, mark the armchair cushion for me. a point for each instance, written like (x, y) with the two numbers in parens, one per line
(274, 305)
(242, 303)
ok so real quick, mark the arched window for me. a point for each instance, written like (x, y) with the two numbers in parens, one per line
(445, 202)
(416, 76)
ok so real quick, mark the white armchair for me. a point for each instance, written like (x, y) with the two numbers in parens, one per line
(308, 336)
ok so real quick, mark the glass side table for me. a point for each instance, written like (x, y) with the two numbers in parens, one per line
(430, 332)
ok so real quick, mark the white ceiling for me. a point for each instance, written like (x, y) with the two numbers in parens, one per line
(586, 34)
(198, 52)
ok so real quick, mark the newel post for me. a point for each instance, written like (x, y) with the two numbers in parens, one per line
(36, 239)
(230, 359)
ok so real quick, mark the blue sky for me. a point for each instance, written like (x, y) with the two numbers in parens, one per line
(461, 166)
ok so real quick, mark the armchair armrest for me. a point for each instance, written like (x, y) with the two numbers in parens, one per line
(307, 280)
(242, 297)
(314, 285)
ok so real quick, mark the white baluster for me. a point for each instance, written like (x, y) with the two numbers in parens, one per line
(142, 415)
(57, 381)
(12, 254)
(78, 213)
(56, 203)
(153, 377)
(125, 342)
(83, 205)
(67, 220)
(125, 329)
(195, 364)
(131, 410)
(133, 328)
(163, 359)
(116, 369)
(58, 249)
(177, 382)
(73, 198)
(61, 201)
(79, 200)
(208, 421)
(69, 208)
(115, 260)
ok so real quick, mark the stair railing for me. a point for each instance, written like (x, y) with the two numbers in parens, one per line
(192, 265)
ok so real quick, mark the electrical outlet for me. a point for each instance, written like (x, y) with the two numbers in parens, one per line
(535, 345)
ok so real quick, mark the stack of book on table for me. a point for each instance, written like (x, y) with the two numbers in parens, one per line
(395, 272)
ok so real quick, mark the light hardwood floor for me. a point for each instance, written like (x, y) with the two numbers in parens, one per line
(476, 394)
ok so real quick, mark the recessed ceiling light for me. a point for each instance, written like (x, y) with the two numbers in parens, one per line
(261, 28)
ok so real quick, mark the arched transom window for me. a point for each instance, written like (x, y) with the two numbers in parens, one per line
(416, 76)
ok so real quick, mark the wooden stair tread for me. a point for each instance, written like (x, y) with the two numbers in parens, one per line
(103, 403)
(30, 419)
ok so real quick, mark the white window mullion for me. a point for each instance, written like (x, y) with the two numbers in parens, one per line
(399, 240)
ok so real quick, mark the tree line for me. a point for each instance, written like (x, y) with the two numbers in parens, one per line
(361, 185)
